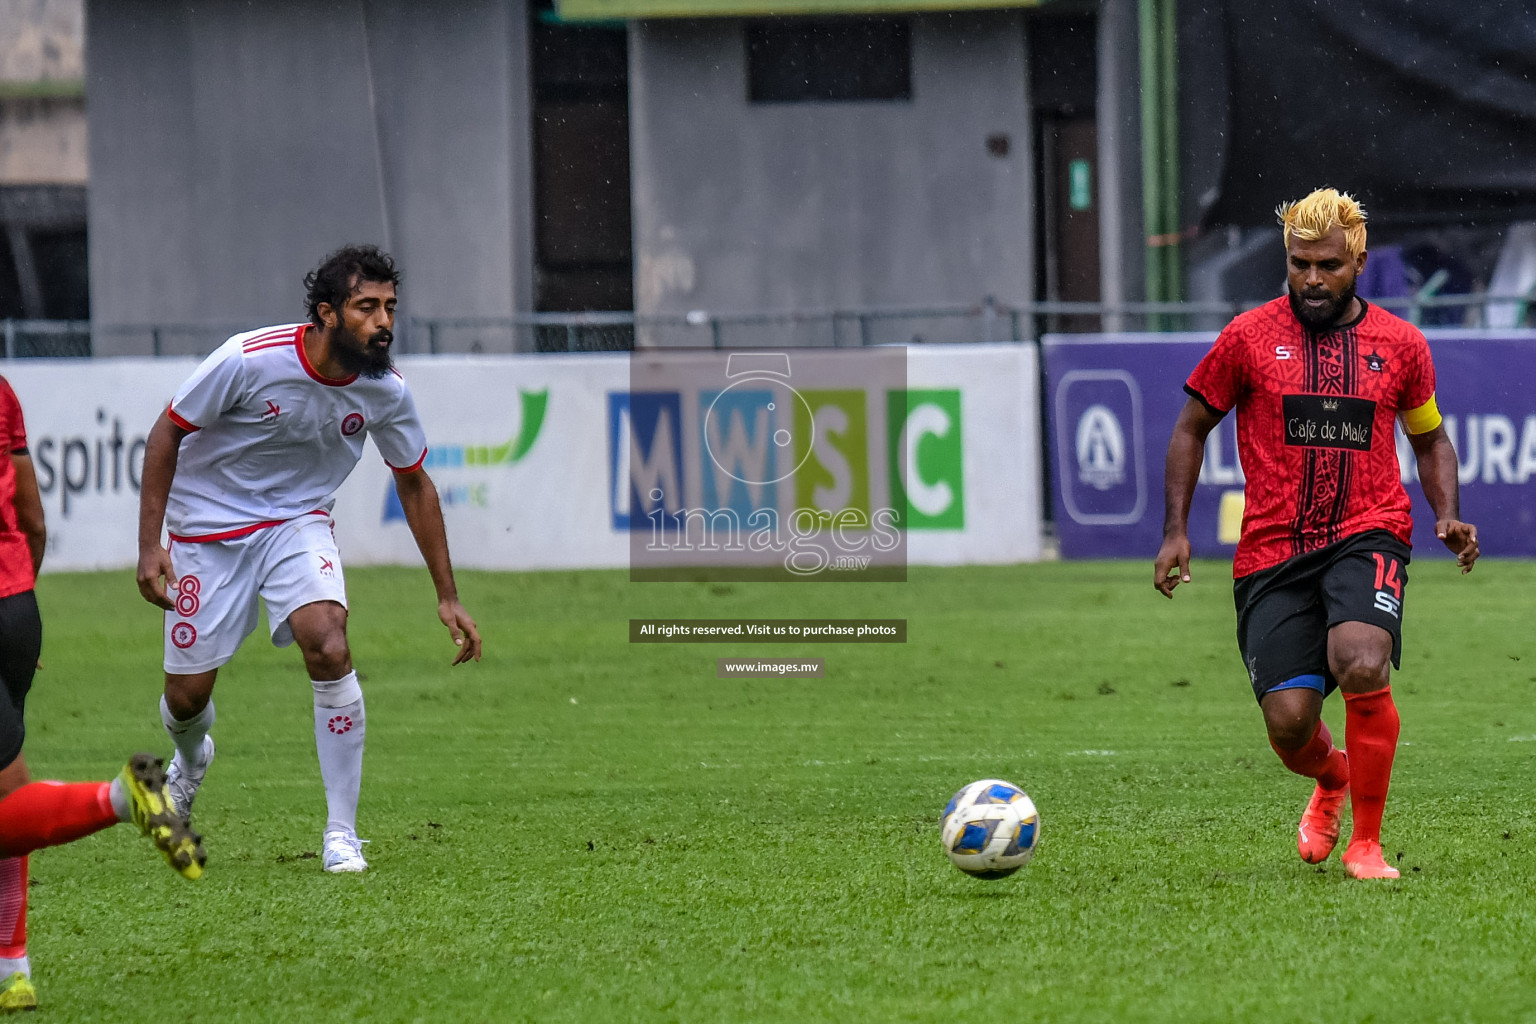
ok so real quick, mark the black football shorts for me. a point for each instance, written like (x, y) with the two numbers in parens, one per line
(21, 641)
(1284, 612)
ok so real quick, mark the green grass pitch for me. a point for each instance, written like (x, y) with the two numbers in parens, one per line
(580, 829)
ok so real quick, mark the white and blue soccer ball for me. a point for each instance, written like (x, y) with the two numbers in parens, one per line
(990, 829)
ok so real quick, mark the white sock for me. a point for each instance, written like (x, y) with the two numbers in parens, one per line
(119, 797)
(9, 967)
(188, 735)
(340, 724)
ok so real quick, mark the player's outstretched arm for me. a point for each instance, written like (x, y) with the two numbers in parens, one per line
(160, 452)
(424, 514)
(1437, 474)
(1186, 451)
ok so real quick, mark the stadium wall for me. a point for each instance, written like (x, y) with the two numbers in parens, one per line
(233, 144)
(741, 205)
(523, 452)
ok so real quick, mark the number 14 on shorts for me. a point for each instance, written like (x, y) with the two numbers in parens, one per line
(1389, 584)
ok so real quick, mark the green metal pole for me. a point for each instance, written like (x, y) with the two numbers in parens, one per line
(1151, 148)
(1168, 85)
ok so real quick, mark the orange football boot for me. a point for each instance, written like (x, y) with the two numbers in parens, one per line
(1363, 859)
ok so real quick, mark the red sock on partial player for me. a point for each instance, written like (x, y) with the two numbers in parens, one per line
(1370, 730)
(43, 814)
(13, 908)
(1318, 759)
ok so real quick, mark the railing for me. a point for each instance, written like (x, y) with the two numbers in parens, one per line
(846, 328)
(986, 321)
(45, 339)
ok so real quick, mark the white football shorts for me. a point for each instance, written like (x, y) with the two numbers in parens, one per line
(287, 566)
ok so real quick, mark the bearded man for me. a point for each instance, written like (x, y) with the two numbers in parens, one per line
(1319, 378)
(241, 471)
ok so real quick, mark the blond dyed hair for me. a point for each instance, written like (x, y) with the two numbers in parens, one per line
(1312, 218)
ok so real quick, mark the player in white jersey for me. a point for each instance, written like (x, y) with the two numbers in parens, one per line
(241, 471)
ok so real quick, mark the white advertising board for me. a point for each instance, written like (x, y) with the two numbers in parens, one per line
(524, 451)
(87, 421)
(518, 449)
(999, 395)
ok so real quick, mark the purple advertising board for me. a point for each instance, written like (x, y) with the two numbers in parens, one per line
(1112, 399)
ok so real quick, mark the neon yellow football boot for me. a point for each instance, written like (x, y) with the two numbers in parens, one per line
(17, 993)
(143, 779)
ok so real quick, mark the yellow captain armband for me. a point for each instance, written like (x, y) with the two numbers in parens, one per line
(1423, 419)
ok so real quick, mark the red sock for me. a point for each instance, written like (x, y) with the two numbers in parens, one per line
(43, 814)
(1318, 759)
(1370, 729)
(13, 908)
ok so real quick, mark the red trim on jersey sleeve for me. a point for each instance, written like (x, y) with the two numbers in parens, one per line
(181, 422)
(279, 343)
(279, 335)
(411, 468)
(330, 382)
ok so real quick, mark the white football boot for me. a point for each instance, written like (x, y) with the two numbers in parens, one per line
(182, 780)
(343, 853)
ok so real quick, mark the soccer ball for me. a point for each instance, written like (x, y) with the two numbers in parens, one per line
(990, 829)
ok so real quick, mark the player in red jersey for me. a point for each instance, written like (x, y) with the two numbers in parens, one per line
(38, 814)
(1318, 378)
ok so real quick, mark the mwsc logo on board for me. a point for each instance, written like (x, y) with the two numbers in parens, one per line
(807, 467)
(648, 470)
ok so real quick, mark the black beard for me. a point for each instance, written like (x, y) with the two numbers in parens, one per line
(360, 357)
(1323, 320)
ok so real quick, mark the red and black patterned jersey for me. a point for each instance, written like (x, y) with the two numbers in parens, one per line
(1315, 416)
(15, 554)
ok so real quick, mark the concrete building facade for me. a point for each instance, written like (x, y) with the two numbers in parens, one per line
(43, 161)
(825, 205)
(232, 144)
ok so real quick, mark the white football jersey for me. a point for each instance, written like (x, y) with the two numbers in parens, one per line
(272, 439)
